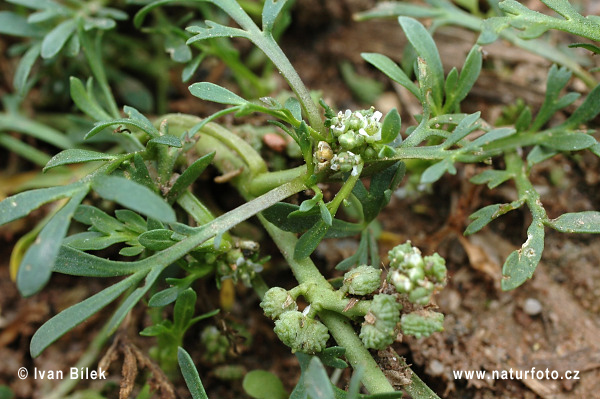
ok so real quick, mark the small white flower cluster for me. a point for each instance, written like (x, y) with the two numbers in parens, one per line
(353, 129)
(346, 161)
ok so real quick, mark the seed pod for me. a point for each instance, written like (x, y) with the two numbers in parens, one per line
(276, 301)
(301, 333)
(422, 323)
(379, 329)
(362, 280)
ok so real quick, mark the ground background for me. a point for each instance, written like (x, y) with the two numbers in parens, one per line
(485, 328)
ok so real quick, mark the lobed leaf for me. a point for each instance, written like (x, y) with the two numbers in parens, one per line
(492, 177)
(134, 196)
(437, 170)
(485, 215)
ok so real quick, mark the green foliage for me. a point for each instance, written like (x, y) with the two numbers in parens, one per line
(261, 384)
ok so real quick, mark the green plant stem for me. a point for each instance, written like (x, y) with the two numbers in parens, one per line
(305, 271)
(268, 181)
(417, 388)
(525, 190)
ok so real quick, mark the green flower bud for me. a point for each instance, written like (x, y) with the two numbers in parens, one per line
(276, 301)
(301, 333)
(422, 323)
(362, 280)
(348, 140)
(379, 328)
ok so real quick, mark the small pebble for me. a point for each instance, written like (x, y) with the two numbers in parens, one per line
(436, 367)
(532, 307)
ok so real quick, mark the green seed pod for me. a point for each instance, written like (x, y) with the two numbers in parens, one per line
(301, 333)
(379, 328)
(362, 280)
(420, 295)
(276, 301)
(435, 266)
(422, 323)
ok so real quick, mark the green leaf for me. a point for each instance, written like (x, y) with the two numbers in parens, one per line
(492, 135)
(138, 20)
(468, 75)
(128, 304)
(524, 120)
(16, 25)
(424, 45)
(556, 81)
(184, 309)
(261, 384)
(310, 240)
(66, 320)
(586, 111)
(190, 375)
(317, 382)
(140, 120)
(14, 122)
(539, 154)
(331, 357)
(325, 214)
(155, 330)
(569, 142)
(271, 10)
(488, 213)
(521, 264)
(97, 218)
(466, 126)
(56, 39)
(36, 266)
(24, 68)
(437, 170)
(134, 196)
(72, 156)
(77, 263)
(492, 177)
(214, 30)
(390, 127)
(168, 140)
(450, 87)
(594, 49)
(293, 105)
(157, 240)
(85, 101)
(94, 240)
(20, 205)
(215, 93)
(393, 71)
(577, 222)
(189, 176)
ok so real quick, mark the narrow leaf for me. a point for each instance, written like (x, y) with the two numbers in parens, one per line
(20, 205)
(317, 382)
(24, 68)
(168, 140)
(493, 178)
(189, 176)
(66, 320)
(214, 30)
(393, 71)
(85, 102)
(586, 111)
(77, 263)
(190, 375)
(56, 39)
(271, 10)
(569, 142)
(325, 214)
(16, 25)
(157, 240)
(134, 196)
(424, 45)
(310, 240)
(215, 93)
(72, 156)
(36, 266)
(437, 170)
